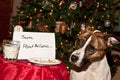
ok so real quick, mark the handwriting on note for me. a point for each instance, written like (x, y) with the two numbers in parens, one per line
(28, 46)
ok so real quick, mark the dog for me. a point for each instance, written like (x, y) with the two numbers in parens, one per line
(89, 58)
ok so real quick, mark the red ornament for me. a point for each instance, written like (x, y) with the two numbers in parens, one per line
(19, 21)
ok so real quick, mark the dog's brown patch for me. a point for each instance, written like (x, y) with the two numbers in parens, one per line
(97, 47)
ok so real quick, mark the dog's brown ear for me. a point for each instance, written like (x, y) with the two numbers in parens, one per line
(111, 40)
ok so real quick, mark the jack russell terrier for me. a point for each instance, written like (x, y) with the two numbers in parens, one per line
(90, 57)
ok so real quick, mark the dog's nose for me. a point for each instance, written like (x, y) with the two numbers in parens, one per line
(74, 58)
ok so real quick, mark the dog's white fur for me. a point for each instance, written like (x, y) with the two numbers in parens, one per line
(98, 70)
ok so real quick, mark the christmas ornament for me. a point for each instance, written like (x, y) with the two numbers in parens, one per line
(64, 27)
(82, 26)
(18, 28)
(58, 25)
(61, 27)
(42, 27)
(73, 6)
(107, 24)
(46, 3)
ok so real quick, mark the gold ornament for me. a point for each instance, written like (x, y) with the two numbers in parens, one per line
(61, 27)
(73, 6)
(42, 27)
(58, 25)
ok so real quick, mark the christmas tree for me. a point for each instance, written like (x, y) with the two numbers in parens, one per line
(65, 18)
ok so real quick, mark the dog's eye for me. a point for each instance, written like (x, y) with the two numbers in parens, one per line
(91, 48)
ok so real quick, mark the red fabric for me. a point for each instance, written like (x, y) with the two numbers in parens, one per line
(23, 70)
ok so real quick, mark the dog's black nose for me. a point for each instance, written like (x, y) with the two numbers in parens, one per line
(74, 58)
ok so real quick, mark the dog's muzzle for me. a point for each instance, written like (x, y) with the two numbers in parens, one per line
(77, 57)
(74, 58)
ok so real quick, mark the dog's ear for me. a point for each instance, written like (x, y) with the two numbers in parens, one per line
(111, 40)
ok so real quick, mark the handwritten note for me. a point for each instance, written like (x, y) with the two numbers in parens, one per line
(35, 44)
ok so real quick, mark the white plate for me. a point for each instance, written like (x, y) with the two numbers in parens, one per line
(44, 61)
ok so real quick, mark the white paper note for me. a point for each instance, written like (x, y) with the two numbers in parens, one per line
(36, 44)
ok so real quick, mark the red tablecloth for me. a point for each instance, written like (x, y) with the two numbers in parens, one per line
(24, 70)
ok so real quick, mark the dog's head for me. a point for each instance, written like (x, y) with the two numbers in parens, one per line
(91, 46)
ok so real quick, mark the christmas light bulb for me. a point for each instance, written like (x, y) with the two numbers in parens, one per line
(50, 13)
(35, 10)
(30, 17)
(98, 4)
(37, 20)
(104, 8)
(61, 43)
(52, 6)
(85, 16)
(21, 12)
(68, 14)
(60, 17)
(40, 10)
(91, 20)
